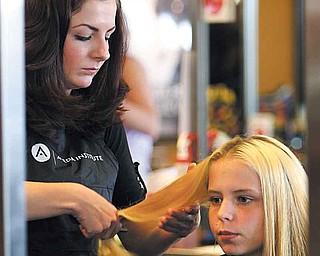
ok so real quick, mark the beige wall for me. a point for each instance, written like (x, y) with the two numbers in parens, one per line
(276, 44)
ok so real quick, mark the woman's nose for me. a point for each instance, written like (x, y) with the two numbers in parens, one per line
(226, 211)
(101, 51)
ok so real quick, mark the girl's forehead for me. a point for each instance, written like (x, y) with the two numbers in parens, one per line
(232, 174)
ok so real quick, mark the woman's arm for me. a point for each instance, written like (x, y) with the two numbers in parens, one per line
(95, 214)
(45, 200)
(175, 225)
(152, 231)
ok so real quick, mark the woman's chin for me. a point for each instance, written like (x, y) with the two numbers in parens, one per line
(80, 85)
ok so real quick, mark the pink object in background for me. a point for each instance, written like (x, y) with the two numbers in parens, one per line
(219, 11)
(213, 6)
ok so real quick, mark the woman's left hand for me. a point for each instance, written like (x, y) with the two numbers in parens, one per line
(181, 222)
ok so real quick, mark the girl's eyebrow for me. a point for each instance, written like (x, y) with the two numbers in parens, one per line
(236, 191)
(213, 191)
(93, 28)
(253, 192)
(245, 190)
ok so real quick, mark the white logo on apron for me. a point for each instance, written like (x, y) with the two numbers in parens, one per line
(40, 152)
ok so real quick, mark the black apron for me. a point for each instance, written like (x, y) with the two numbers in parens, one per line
(75, 159)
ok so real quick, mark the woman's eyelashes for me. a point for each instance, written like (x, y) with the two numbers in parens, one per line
(87, 38)
(83, 38)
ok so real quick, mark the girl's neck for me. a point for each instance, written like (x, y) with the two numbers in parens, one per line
(255, 253)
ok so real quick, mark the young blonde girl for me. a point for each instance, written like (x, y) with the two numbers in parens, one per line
(284, 192)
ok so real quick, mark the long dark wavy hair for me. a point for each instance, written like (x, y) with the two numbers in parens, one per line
(86, 111)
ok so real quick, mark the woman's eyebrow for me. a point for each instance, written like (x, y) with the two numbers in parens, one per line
(112, 29)
(92, 27)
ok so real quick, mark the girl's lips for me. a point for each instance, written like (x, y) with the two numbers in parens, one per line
(227, 235)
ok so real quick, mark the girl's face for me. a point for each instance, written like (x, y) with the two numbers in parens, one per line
(86, 46)
(236, 214)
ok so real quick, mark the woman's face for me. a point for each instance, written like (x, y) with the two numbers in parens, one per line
(86, 46)
(236, 214)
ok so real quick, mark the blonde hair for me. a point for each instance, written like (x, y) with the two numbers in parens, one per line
(284, 190)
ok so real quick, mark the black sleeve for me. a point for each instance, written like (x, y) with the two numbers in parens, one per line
(129, 187)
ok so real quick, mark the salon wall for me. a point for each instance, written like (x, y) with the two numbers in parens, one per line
(276, 44)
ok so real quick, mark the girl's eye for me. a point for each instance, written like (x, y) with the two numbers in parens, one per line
(244, 199)
(83, 38)
(215, 200)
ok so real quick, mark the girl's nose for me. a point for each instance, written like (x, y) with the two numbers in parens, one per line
(226, 211)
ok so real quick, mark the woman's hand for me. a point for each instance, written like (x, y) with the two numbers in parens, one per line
(184, 221)
(97, 217)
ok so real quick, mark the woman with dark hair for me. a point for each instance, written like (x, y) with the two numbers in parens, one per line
(80, 170)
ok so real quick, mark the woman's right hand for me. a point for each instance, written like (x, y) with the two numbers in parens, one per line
(96, 216)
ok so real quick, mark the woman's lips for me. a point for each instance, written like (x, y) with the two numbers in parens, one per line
(90, 71)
